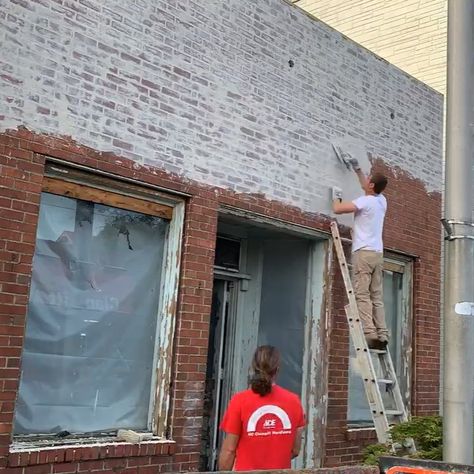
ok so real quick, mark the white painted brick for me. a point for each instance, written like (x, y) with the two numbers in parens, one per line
(391, 23)
(204, 89)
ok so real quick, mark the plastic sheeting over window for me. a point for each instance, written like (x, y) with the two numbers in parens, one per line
(358, 409)
(92, 319)
(283, 303)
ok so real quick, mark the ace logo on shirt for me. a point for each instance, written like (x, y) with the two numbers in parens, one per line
(267, 421)
(269, 424)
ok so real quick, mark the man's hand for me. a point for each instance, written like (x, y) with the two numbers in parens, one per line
(354, 163)
(338, 205)
(336, 193)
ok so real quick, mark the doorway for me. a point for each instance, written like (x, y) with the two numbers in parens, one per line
(268, 289)
(219, 362)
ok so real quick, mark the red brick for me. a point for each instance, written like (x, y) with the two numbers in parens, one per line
(147, 469)
(14, 288)
(40, 469)
(115, 464)
(25, 206)
(15, 460)
(13, 470)
(20, 247)
(5, 202)
(90, 466)
(12, 215)
(65, 468)
(6, 407)
(11, 330)
(138, 461)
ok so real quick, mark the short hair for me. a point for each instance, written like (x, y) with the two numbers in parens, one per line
(379, 181)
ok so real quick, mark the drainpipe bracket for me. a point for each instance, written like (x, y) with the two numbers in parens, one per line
(449, 226)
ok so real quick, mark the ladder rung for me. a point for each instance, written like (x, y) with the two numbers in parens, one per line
(393, 412)
(377, 351)
(385, 381)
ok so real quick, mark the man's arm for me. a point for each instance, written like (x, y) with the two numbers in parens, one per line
(227, 454)
(360, 175)
(362, 178)
(343, 207)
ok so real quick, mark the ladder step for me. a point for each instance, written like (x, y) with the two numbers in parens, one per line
(377, 351)
(385, 381)
(393, 412)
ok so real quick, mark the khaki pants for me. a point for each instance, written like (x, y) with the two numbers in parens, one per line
(367, 267)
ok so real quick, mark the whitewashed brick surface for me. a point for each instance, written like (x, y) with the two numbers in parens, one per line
(203, 88)
(409, 33)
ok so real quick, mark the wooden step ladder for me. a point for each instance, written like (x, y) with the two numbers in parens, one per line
(373, 383)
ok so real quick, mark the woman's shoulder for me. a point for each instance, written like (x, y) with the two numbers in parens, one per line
(283, 392)
(243, 394)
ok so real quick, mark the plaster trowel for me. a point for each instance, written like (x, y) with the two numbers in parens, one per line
(345, 158)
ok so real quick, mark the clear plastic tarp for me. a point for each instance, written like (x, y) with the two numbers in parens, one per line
(283, 305)
(90, 342)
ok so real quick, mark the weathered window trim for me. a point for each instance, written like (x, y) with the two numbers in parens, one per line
(167, 313)
(109, 198)
(408, 315)
(403, 264)
(273, 223)
(85, 185)
(67, 170)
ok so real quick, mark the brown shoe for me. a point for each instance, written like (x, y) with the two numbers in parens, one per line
(372, 343)
(383, 344)
(376, 344)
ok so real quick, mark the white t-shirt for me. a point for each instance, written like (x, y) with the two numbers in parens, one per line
(368, 222)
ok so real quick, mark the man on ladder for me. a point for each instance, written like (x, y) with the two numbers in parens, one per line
(367, 253)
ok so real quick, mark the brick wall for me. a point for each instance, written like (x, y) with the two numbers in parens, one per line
(201, 99)
(197, 87)
(412, 34)
(22, 158)
(22, 151)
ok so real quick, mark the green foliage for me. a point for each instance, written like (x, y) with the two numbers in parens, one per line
(373, 452)
(426, 431)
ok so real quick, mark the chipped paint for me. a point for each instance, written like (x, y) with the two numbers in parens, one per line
(406, 369)
(167, 322)
(314, 358)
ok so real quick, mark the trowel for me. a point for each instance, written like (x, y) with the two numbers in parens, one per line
(342, 156)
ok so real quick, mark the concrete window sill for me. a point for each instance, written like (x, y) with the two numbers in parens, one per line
(362, 433)
(33, 453)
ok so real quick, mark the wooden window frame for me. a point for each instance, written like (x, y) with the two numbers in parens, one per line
(86, 185)
(109, 198)
(404, 267)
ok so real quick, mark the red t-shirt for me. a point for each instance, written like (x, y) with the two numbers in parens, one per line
(266, 427)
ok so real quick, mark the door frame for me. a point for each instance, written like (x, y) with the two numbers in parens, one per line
(317, 320)
(225, 359)
(315, 360)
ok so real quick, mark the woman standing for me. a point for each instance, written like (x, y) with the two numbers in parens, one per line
(263, 424)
